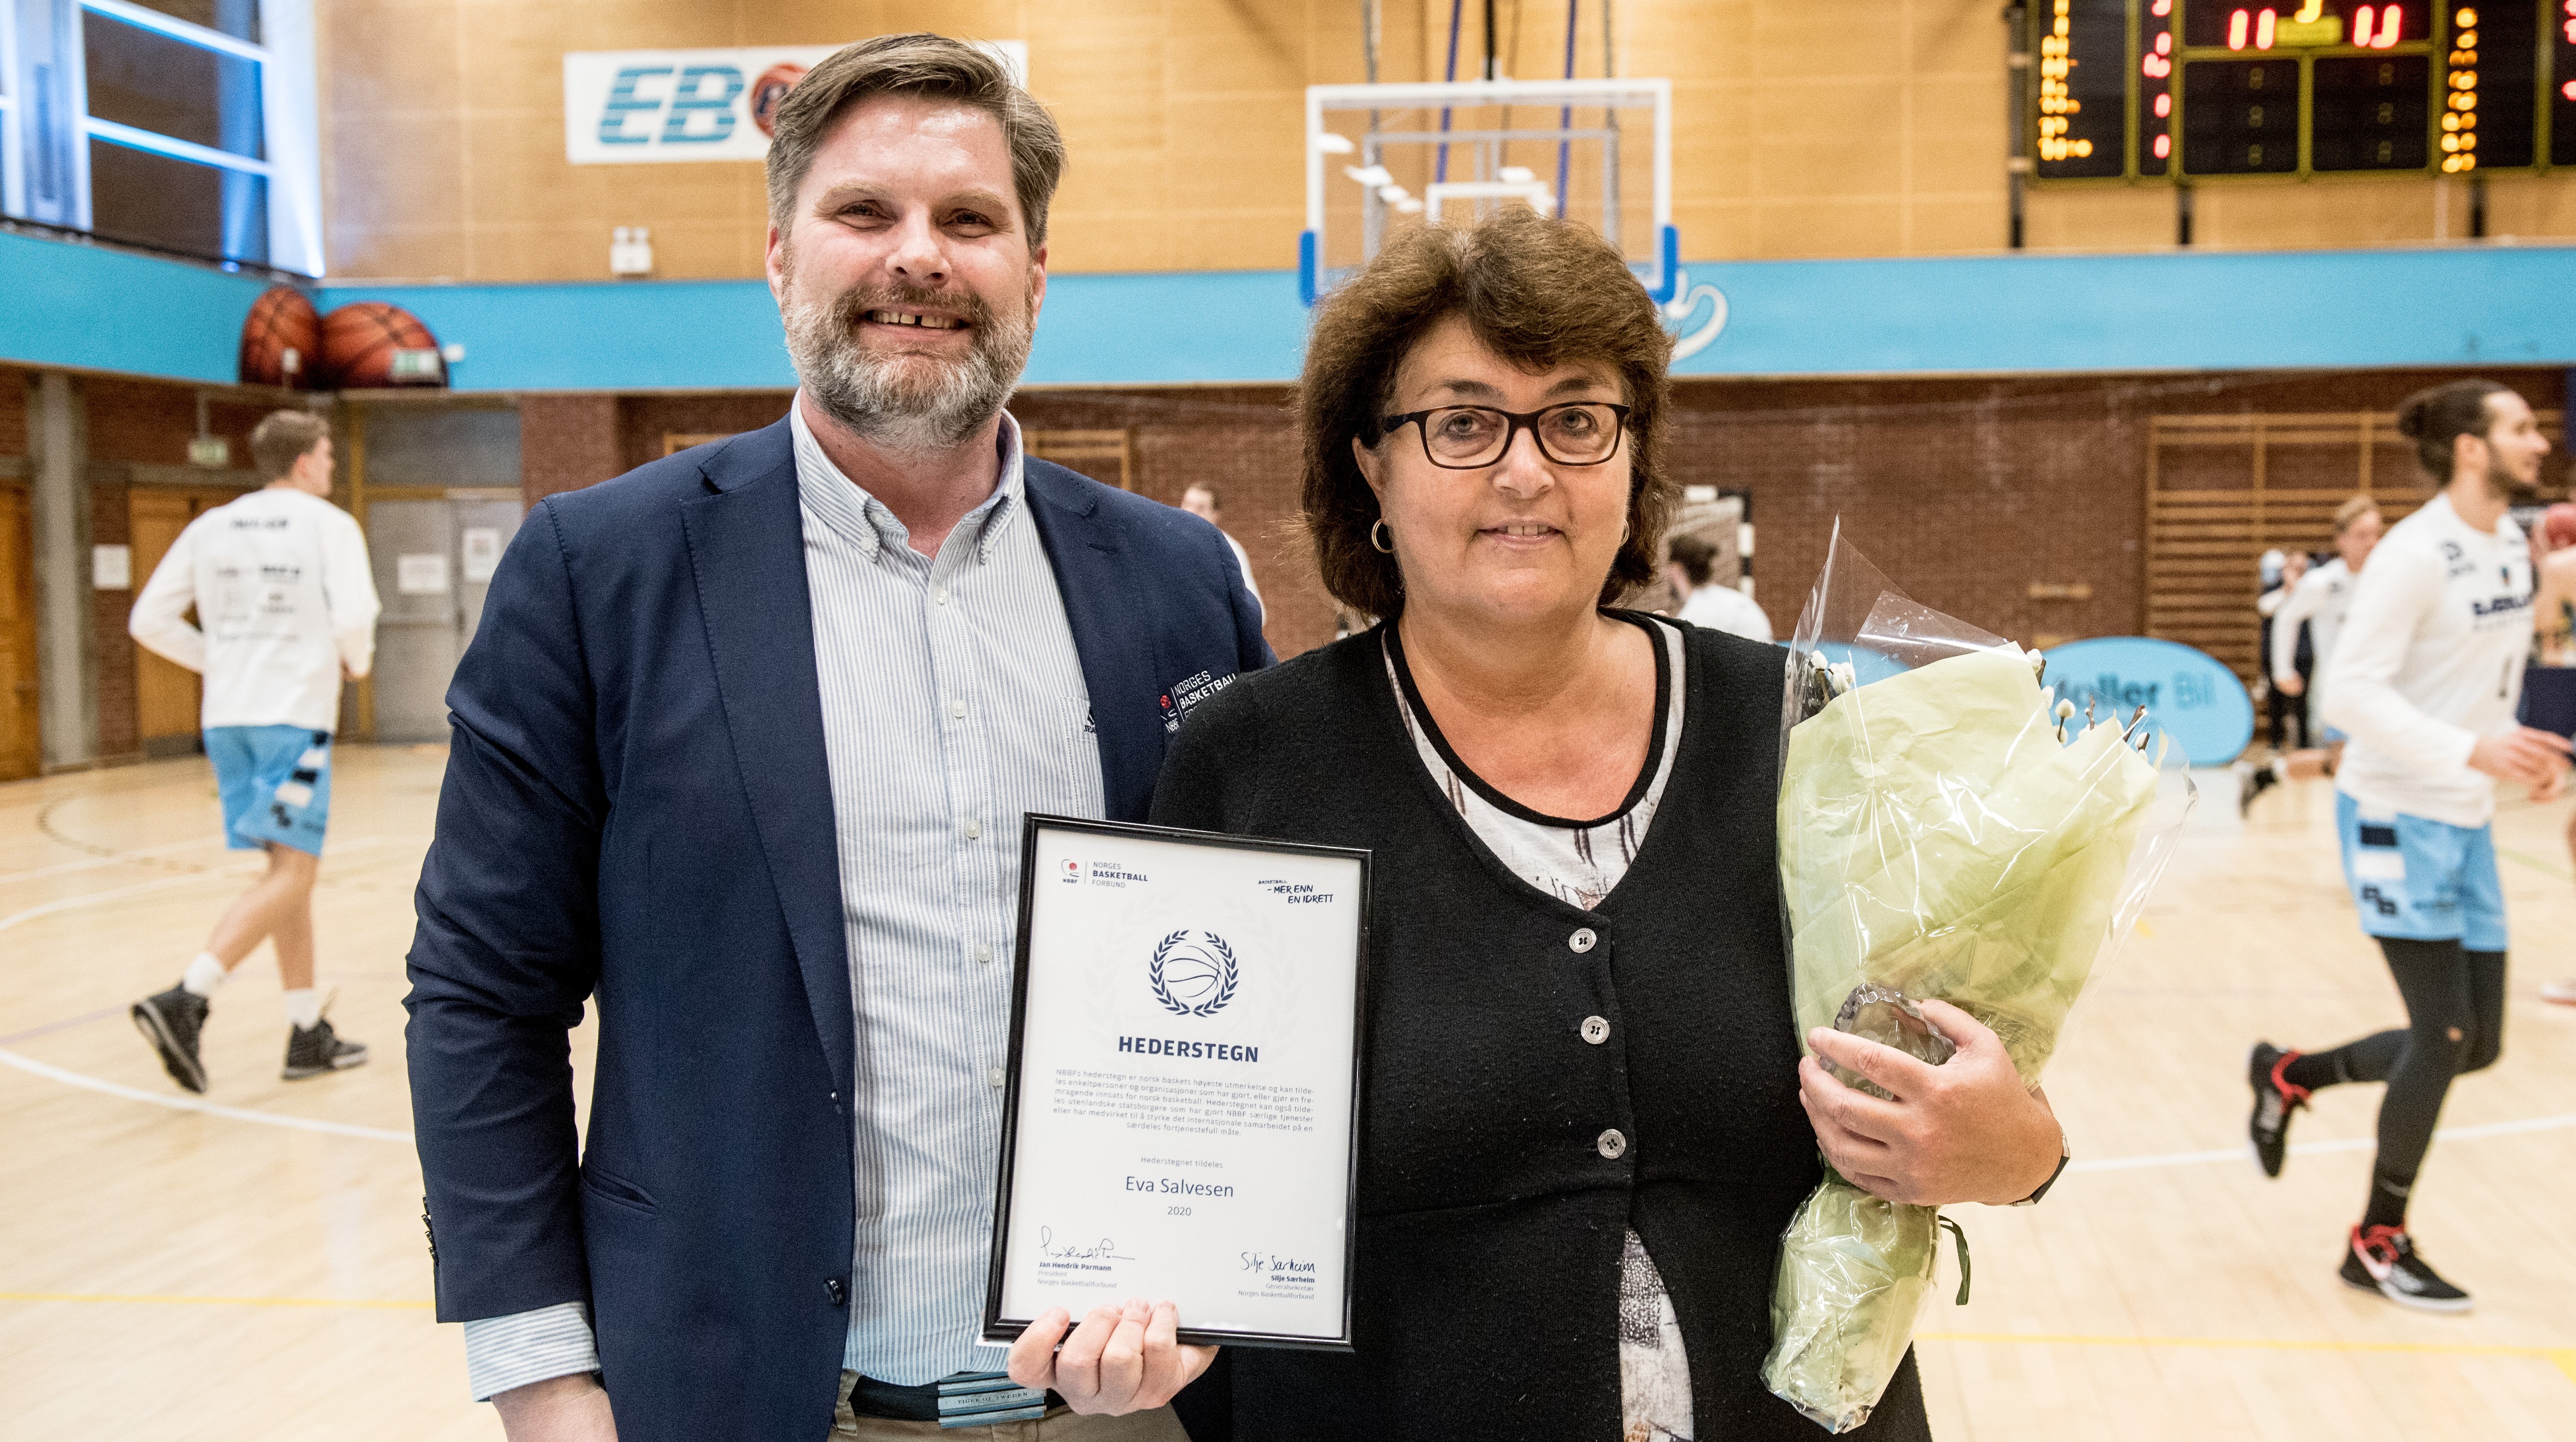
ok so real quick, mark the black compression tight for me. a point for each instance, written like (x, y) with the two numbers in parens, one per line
(2454, 1025)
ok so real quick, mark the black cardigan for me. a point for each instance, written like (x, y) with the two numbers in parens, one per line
(1490, 1223)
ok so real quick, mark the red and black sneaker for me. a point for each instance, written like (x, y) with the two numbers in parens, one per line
(2275, 1097)
(2383, 1260)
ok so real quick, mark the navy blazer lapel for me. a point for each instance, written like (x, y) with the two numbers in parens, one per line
(747, 548)
(1119, 667)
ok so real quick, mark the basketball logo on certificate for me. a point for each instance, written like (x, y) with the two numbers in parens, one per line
(1194, 973)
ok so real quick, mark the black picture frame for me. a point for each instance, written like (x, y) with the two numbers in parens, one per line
(998, 1328)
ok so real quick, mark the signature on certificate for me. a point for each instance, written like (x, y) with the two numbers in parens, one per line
(1265, 1263)
(1103, 1250)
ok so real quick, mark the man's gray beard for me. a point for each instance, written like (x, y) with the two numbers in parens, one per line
(865, 393)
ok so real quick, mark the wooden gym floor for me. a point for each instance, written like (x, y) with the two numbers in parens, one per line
(251, 1266)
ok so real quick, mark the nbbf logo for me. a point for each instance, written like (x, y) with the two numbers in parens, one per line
(627, 106)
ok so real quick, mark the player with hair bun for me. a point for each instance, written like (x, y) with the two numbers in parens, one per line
(2425, 677)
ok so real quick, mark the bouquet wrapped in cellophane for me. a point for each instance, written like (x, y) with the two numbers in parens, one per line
(1945, 832)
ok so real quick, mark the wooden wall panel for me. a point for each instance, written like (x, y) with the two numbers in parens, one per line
(166, 694)
(1817, 128)
(21, 745)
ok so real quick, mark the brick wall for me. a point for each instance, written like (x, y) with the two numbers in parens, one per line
(150, 422)
(1964, 491)
(13, 411)
(1242, 441)
(566, 442)
(643, 422)
(1967, 492)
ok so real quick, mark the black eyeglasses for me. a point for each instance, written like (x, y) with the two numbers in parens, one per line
(1463, 438)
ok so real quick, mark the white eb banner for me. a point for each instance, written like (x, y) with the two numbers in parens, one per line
(658, 106)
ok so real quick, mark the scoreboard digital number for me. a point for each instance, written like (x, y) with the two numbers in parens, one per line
(2191, 89)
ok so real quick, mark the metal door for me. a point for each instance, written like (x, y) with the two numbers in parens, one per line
(433, 562)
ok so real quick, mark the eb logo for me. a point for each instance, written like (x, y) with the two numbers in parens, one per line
(697, 109)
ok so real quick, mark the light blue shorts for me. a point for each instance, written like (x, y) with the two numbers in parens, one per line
(275, 782)
(2421, 880)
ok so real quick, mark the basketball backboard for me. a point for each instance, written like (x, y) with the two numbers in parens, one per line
(1383, 157)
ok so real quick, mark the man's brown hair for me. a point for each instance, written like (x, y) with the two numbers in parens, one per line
(1696, 557)
(2435, 418)
(284, 437)
(2353, 510)
(930, 67)
(1538, 292)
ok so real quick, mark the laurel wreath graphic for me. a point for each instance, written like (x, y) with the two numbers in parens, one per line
(1225, 982)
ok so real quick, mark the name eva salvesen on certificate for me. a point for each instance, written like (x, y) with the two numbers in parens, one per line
(1180, 1118)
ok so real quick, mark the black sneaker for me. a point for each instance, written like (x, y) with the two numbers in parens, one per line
(171, 1021)
(2275, 1097)
(2383, 1260)
(2252, 781)
(312, 1053)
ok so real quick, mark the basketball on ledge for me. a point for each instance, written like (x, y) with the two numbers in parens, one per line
(281, 341)
(369, 344)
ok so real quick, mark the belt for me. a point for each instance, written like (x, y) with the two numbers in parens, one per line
(966, 1399)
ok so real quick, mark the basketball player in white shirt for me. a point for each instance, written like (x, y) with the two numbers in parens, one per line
(2319, 602)
(1707, 601)
(282, 589)
(2425, 677)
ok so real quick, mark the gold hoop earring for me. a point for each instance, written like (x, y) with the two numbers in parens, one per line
(1380, 539)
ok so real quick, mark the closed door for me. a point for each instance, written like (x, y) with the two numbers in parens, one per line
(21, 751)
(168, 697)
(433, 561)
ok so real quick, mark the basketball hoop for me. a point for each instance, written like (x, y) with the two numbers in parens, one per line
(1411, 139)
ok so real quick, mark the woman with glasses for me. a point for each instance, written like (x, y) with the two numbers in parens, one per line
(1583, 1132)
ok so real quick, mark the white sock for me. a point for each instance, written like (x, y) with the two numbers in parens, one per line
(204, 974)
(304, 1008)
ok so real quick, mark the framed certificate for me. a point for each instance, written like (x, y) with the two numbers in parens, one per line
(1181, 1115)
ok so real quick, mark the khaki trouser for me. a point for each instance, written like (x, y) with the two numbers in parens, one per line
(1062, 1424)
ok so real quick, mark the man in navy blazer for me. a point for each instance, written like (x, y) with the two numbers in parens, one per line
(739, 755)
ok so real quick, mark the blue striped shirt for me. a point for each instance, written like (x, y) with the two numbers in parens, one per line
(953, 704)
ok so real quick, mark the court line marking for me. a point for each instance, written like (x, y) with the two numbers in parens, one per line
(41, 910)
(192, 1104)
(182, 1103)
(49, 1028)
(44, 909)
(64, 868)
(2309, 1149)
(175, 1301)
(2563, 1357)
(2535, 863)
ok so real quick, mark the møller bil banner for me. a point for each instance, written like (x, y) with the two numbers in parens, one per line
(658, 106)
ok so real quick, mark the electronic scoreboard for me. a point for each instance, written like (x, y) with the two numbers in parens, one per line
(2193, 89)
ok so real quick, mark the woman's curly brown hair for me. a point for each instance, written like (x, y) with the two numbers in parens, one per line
(1538, 292)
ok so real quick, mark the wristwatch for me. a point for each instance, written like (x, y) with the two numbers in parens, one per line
(2065, 1154)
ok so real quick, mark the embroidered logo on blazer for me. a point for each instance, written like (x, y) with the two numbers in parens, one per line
(1186, 694)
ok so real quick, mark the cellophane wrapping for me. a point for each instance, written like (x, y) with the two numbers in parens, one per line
(1943, 834)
